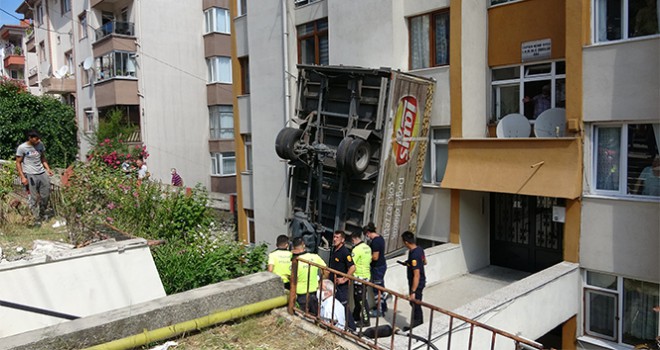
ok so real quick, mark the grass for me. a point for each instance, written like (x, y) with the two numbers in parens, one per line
(17, 234)
(262, 332)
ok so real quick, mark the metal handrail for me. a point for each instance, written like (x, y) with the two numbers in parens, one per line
(292, 309)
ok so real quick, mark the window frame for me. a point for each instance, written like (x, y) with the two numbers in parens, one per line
(247, 142)
(211, 24)
(431, 39)
(431, 154)
(618, 294)
(213, 75)
(113, 69)
(317, 35)
(217, 163)
(241, 7)
(622, 191)
(65, 7)
(244, 63)
(220, 111)
(82, 25)
(624, 25)
(523, 77)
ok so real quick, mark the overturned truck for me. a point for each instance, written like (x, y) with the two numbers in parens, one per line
(355, 149)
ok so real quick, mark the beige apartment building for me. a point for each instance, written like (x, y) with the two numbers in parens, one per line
(169, 73)
(576, 209)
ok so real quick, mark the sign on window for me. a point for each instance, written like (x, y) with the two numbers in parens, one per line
(536, 50)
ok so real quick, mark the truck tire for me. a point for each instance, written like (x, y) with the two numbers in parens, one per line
(285, 143)
(353, 155)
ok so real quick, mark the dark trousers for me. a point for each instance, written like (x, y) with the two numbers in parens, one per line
(312, 307)
(39, 186)
(341, 294)
(418, 316)
(378, 278)
(361, 309)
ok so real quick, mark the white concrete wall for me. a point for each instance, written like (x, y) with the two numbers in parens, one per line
(81, 282)
(474, 62)
(267, 109)
(85, 98)
(443, 262)
(621, 237)
(172, 76)
(434, 210)
(475, 229)
(621, 81)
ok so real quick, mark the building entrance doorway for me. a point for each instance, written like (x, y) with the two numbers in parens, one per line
(523, 234)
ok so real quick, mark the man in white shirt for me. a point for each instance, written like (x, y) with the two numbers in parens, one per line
(329, 301)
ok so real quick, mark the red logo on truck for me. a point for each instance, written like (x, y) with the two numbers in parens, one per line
(405, 128)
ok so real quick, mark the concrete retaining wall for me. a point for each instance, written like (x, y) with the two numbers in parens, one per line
(166, 311)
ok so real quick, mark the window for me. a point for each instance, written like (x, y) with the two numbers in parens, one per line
(40, 14)
(219, 69)
(436, 156)
(16, 74)
(242, 7)
(247, 141)
(66, 6)
(497, 2)
(528, 89)
(626, 160)
(245, 75)
(89, 120)
(620, 309)
(624, 19)
(42, 52)
(221, 122)
(116, 64)
(82, 25)
(217, 20)
(298, 3)
(429, 40)
(68, 59)
(313, 42)
(223, 164)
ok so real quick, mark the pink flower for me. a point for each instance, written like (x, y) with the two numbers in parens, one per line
(109, 219)
(111, 205)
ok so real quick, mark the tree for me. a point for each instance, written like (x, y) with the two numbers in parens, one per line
(21, 111)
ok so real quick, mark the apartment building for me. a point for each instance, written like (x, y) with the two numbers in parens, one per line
(583, 196)
(169, 74)
(13, 52)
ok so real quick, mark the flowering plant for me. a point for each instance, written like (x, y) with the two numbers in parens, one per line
(115, 152)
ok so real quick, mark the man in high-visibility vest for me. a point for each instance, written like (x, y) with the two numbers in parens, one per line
(362, 259)
(279, 260)
(306, 288)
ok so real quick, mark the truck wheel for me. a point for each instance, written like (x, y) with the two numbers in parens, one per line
(353, 155)
(285, 143)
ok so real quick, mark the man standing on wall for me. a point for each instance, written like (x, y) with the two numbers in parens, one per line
(34, 172)
(378, 268)
(416, 277)
(340, 260)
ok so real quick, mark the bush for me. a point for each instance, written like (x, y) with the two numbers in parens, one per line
(21, 111)
(205, 260)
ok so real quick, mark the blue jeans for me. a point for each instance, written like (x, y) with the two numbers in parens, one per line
(378, 278)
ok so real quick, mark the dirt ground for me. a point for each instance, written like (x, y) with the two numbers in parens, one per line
(262, 332)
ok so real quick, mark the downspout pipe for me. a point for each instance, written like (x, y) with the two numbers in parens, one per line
(149, 336)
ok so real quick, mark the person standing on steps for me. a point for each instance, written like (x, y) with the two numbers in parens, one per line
(341, 260)
(35, 173)
(378, 268)
(416, 277)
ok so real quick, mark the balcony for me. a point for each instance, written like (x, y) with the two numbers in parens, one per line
(29, 44)
(58, 86)
(116, 92)
(14, 58)
(33, 76)
(115, 28)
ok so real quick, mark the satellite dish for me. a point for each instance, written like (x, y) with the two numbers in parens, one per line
(60, 73)
(551, 123)
(88, 62)
(513, 125)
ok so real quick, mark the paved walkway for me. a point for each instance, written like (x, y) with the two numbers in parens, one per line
(456, 292)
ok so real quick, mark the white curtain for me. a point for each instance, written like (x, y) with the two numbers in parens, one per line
(419, 42)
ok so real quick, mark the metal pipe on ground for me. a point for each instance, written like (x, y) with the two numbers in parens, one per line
(191, 325)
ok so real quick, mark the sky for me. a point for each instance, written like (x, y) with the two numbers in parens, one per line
(9, 6)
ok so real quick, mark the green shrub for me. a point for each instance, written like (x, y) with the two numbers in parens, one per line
(205, 259)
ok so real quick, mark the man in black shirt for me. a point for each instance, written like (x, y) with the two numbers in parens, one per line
(340, 260)
(416, 276)
(378, 267)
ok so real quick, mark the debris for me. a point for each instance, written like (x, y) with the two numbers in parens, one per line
(20, 249)
(59, 223)
(42, 247)
(165, 346)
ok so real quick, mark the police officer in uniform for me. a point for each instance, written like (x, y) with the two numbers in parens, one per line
(341, 260)
(279, 260)
(362, 259)
(416, 276)
(306, 289)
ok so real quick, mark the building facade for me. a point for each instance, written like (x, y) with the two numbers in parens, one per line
(172, 81)
(583, 193)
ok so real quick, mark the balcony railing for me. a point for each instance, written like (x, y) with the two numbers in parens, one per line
(115, 27)
(13, 50)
